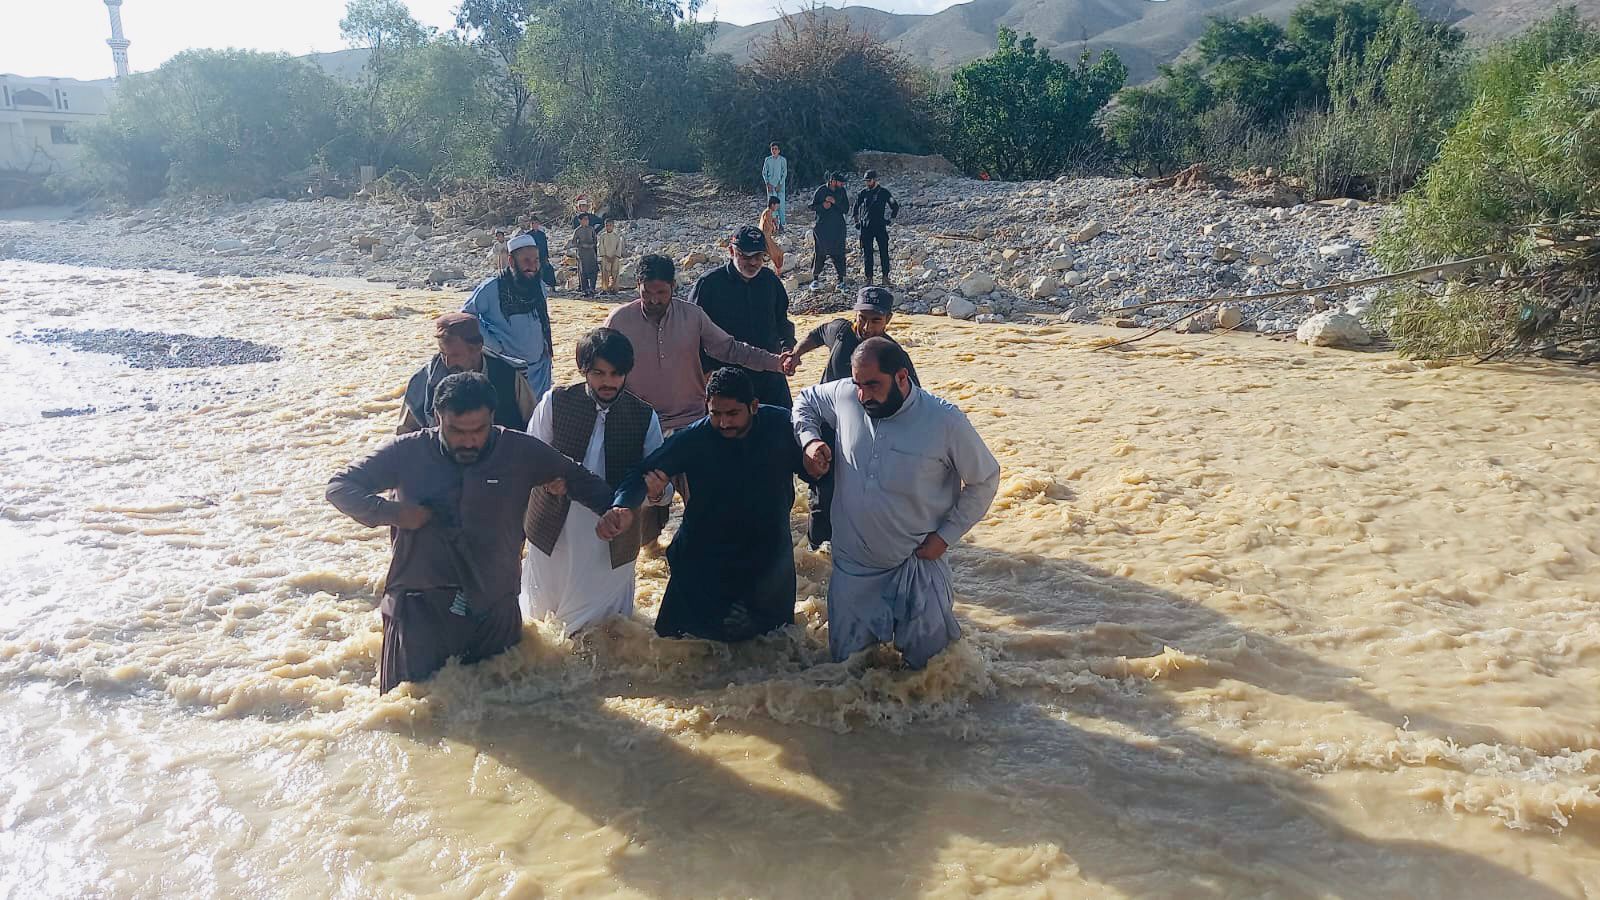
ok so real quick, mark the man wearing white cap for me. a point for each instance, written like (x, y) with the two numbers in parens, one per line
(514, 315)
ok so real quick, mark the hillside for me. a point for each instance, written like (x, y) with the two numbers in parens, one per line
(1145, 33)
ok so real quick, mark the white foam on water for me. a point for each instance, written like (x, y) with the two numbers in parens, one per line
(1244, 620)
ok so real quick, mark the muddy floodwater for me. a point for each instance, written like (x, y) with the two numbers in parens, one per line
(1246, 620)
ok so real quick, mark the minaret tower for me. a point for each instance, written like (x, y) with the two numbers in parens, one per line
(118, 43)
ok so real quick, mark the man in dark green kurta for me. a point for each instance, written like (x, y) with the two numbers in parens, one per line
(733, 558)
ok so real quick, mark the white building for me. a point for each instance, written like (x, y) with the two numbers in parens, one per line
(38, 117)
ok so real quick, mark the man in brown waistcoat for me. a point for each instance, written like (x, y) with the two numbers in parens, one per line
(568, 573)
(460, 494)
(461, 350)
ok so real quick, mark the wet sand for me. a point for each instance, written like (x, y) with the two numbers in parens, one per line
(1247, 620)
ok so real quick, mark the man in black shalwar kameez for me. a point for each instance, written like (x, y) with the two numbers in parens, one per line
(733, 557)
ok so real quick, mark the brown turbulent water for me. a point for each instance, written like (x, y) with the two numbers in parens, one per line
(1246, 620)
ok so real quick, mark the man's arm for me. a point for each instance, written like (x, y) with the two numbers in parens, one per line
(894, 205)
(652, 442)
(855, 211)
(816, 338)
(980, 479)
(813, 409)
(408, 422)
(672, 458)
(356, 489)
(482, 301)
(785, 327)
(526, 402)
(541, 423)
(817, 198)
(583, 485)
(719, 344)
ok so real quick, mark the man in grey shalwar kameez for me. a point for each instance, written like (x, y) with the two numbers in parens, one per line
(912, 477)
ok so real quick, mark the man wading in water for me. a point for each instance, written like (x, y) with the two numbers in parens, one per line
(460, 495)
(733, 558)
(913, 476)
(513, 314)
(461, 350)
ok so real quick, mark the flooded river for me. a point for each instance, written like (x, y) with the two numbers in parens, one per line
(1246, 620)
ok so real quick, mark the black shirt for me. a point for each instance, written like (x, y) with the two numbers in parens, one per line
(830, 220)
(875, 207)
(754, 311)
(840, 337)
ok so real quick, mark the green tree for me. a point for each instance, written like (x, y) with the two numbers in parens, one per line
(1018, 113)
(225, 122)
(822, 88)
(392, 39)
(1519, 175)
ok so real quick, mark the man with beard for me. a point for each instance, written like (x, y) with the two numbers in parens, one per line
(747, 300)
(733, 558)
(513, 314)
(911, 477)
(568, 573)
(830, 203)
(461, 350)
(460, 494)
(668, 338)
(874, 308)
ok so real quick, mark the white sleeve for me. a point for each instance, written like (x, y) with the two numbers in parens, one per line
(542, 424)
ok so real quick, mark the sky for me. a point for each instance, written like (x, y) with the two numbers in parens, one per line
(66, 38)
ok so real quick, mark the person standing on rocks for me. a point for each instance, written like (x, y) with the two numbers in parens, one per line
(547, 271)
(499, 257)
(587, 243)
(775, 175)
(874, 212)
(828, 234)
(609, 243)
(583, 210)
(912, 477)
(461, 350)
(874, 308)
(747, 300)
(732, 559)
(460, 493)
(769, 226)
(569, 574)
(514, 315)
(668, 337)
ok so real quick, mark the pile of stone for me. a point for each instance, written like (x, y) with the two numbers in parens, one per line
(1079, 250)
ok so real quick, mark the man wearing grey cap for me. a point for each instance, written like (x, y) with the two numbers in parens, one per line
(748, 301)
(829, 203)
(874, 308)
(514, 315)
(875, 209)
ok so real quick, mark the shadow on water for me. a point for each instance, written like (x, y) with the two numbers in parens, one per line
(1050, 783)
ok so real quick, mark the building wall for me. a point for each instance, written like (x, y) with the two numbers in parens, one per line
(38, 117)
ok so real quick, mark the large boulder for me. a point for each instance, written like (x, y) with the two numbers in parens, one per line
(446, 274)
(1229, 316)
(960, 308)
(976, 284)
(1044, 286)
(1333, 329)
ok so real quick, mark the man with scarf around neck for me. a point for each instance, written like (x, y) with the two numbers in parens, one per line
(515, 316)
(461, 350)
(456, 499)
(569, 573)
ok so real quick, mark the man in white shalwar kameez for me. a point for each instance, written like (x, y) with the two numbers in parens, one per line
(912, 477)
(569, 573)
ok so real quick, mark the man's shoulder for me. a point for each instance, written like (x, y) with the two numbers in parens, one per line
(620, 312)
(834, 330)
(487, 286)
(493, 360)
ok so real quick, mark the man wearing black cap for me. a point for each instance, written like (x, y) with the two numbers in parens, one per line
(829, 203)
(747, 300)
(874, 308)
(875, 209)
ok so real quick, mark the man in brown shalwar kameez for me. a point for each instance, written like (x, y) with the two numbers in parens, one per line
(460, 493)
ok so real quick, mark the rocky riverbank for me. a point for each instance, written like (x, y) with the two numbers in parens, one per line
(1078, 250)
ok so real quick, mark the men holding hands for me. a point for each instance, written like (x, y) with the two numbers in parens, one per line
(460, 493)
